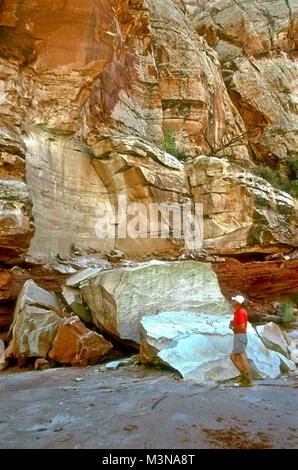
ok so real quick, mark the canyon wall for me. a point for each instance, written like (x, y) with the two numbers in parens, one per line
(89, 89)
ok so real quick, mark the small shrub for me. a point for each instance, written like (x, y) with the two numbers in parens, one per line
(170, 146)
(292, 169)
(284, 181)
(169, 140)
(285, 311)
(294, 298)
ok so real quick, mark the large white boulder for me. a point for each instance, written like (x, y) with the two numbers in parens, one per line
(199, 346)
(119, 298)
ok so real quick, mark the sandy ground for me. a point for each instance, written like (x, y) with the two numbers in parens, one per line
(136, 407)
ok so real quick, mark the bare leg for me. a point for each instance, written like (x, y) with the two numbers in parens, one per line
(234, 359)
(244, 363)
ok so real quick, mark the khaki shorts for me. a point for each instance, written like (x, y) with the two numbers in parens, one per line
(240, 342)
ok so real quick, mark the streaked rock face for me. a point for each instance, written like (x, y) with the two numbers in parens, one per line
(256, 45)
(240, 209)
(242, 212)
(193, 95)
(64, 187)
(16, 226)
(119, 298)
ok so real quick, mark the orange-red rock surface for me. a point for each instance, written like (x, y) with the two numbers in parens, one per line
(74, 344)
(260, 280)
(75, 73)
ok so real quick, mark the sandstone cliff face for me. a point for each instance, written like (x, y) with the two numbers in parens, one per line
(88, 89)
(256, 44)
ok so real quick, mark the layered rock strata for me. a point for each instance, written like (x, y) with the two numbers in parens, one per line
(88, 91)
(256, 44)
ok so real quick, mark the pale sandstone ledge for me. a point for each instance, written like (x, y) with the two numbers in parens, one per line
(242, 212)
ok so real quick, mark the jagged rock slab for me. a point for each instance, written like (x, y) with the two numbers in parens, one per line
(35, 322)
(286, 365)
(82, 276)
(272, 336)
(120, 363)
(86, 262)
(119, 298)
(199, 346)
(74, 299)
(33, 333)
(32, 294)
(264, 363)
(77, 345)
(132, 145)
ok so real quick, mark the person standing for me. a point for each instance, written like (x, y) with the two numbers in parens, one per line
(239, 325)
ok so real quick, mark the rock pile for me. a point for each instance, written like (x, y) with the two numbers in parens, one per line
(176, 314)
(40, 330)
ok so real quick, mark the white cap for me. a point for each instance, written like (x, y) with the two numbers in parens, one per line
(239, 298)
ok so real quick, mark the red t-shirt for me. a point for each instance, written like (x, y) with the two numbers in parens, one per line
(240, 316)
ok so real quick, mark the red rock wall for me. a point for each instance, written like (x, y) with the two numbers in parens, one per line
(261, 282)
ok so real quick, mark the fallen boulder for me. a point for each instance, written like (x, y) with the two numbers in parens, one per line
(286, 365)
(32, 294)
(77, 345)
(36, 319)
(264, 363)
(33, 333)
(119, 298)
(292, 340)
(272, 336)
(199, 346)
